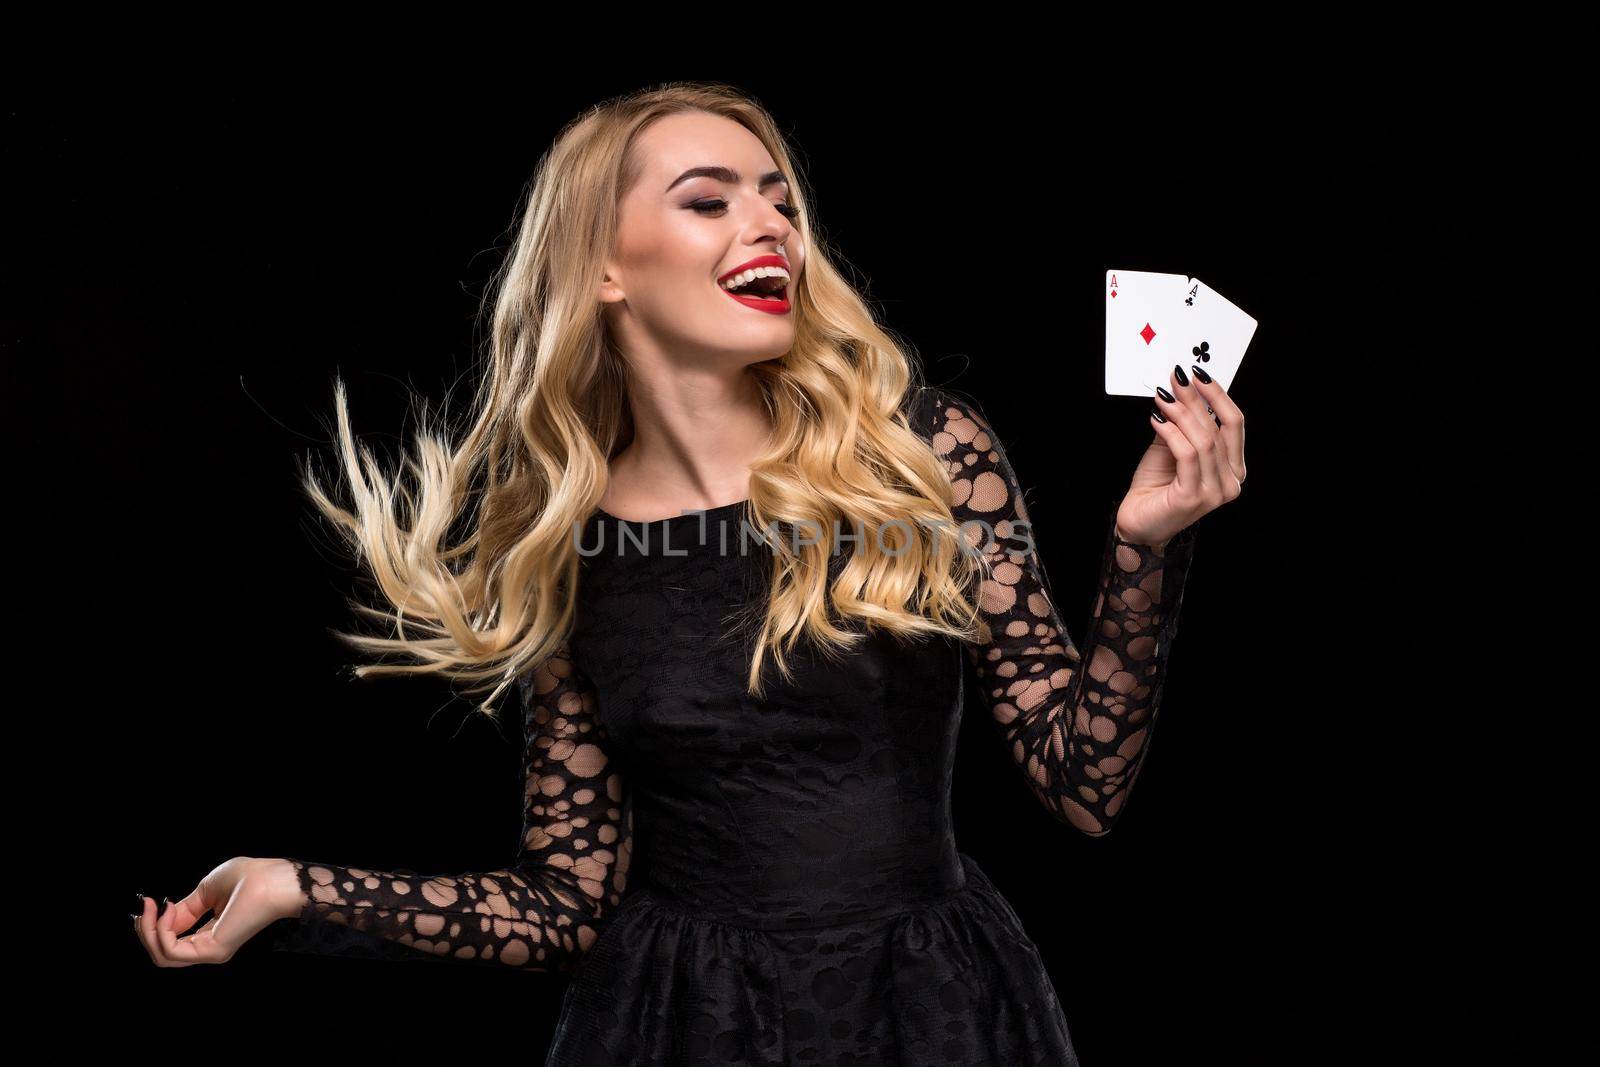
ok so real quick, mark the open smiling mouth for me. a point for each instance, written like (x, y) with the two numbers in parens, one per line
(768, 293)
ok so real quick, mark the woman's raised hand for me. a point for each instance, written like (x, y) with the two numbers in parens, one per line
(1194, 466)
(244, 895)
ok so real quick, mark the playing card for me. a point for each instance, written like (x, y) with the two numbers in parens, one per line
(1211, 332)
(1143, 310)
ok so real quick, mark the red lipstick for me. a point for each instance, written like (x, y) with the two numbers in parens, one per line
(777, 304)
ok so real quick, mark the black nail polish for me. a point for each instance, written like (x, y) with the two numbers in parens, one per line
(1157, 413)
(1200, 372)
(1183, 379)
(1168, 397)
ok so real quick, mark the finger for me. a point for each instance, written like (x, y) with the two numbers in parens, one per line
(204, 945)
(1215, 466)
(1183, 453)
(1202, 437)
(1183, 387)
(201, 946)
(220, 938)
(177, 953)
(187, 912)
(146, 925)
(1228, 417)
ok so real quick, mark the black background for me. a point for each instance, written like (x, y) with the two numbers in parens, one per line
(214, 253)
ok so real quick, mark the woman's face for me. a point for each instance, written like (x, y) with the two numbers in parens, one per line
(679, 236)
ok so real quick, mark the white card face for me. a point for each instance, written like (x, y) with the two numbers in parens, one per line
(1143, 339)
(1212, 333)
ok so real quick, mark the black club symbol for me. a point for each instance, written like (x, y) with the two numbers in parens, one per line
(1203, 353)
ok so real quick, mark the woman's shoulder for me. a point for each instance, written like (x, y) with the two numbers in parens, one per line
(929, 406)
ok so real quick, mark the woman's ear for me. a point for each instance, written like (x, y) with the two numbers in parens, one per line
(610, 290)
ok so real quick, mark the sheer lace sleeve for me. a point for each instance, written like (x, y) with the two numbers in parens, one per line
(543, 911)
(1078, 734)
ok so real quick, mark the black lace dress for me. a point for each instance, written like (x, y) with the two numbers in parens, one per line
(776, 881)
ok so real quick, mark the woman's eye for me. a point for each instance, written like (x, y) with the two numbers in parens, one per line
(788, 211)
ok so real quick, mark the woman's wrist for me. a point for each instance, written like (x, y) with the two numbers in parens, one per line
(1128, 540)
(281, 880)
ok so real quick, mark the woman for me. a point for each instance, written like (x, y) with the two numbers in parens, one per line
(737, 837)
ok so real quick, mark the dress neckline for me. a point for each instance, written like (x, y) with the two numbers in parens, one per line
(708, 512)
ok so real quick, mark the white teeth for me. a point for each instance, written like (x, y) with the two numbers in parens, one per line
(749, 276)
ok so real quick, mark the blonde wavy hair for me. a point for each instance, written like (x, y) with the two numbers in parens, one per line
(552, 409)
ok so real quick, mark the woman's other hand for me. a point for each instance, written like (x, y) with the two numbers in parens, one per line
(244, 895)
(1195, 464)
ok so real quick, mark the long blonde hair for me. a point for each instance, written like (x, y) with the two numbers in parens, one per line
(552, 409)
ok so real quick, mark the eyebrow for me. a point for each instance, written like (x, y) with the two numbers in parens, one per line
(727, 175)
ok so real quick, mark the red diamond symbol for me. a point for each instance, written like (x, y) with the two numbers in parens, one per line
(1147, 333)
(1113, 294)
